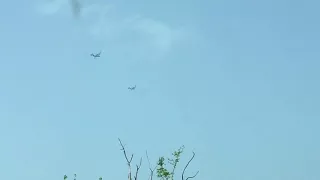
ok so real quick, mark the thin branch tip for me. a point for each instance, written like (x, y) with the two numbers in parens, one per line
(190, 177)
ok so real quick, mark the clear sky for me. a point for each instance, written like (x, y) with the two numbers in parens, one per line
(235, 81)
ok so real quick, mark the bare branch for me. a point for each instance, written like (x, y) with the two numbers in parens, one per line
(190, 177)
(151, 170)
(125, 153)
(137, 170)
(128, 161)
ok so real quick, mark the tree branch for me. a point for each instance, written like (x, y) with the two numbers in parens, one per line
(190, 177)
(137, 171)
(128, 161)
(151, 170)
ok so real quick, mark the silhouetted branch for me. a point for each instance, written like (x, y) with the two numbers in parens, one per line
(137, 171)
(128, 161)
(151, 170)
(190, 177)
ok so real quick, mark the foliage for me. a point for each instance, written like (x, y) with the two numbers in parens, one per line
(162, 171)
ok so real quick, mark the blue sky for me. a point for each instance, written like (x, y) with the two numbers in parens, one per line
(234, 81)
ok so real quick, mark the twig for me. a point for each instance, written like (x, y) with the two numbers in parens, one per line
(151, 170)
(137, 171)
(190, 177)
(128, 161)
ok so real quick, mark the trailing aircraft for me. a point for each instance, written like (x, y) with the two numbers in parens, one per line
(96, 55)
(132, 88)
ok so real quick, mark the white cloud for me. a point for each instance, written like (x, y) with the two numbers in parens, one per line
(137, 30)
(50, 7)
(163, 35)
(106, 23)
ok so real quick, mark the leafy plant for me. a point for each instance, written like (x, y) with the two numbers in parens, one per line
(162, 171)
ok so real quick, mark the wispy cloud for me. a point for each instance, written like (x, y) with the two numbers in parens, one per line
(106, 23)
(50, 7)
(162, 35)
